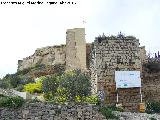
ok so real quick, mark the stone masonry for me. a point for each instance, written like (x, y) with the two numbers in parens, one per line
(75, 49)
(46, 111)
(110, 54)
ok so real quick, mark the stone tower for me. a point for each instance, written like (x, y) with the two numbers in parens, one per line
(75, 49)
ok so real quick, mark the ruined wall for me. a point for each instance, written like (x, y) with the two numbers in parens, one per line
(50, 55)
(151, 86)
(110, 54)
(75, 49)
(44, 111)
(143, 54)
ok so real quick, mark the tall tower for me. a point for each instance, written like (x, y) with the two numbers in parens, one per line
(75, 49)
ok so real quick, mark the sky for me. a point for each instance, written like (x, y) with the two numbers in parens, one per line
(24, 28)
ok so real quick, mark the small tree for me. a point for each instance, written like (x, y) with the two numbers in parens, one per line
(77, 84)
(50, 84)
(13, 80)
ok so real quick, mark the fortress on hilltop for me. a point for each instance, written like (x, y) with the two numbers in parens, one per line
(102, 57)
(73, 54)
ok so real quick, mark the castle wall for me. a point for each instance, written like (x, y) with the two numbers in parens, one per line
(110, 54)
(50, 55)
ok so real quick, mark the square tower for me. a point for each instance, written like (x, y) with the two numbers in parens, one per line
(75, 49)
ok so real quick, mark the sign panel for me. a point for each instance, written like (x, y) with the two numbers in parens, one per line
(127, 79)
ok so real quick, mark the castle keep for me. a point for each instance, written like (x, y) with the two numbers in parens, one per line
(75, 49)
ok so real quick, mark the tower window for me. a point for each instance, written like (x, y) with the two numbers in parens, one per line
(75, 43)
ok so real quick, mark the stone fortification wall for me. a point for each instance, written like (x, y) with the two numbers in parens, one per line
(42, 111)
(50, 55)
(110, 54)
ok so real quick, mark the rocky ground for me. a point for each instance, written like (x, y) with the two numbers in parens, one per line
(137, 116)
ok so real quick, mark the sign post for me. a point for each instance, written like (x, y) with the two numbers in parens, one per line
(128, 79)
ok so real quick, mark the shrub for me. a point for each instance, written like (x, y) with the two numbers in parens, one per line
(108, 113)
(114, 108)
(153, 107)
(61, 95)
(78, 99)
(50, 84)
(12, 79)
(11, 102)
(4, 84)
(20, 88)
(60, 99)
(92, 99)
(48, 96)
(152, 118)
(33, 87)
(76, 83)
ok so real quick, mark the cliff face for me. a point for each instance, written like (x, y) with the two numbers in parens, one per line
(50, 55)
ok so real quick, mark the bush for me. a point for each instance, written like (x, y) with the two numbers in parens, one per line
(114, 108)
(76, 83)
(20, 88)
(61, 95)
(48, 96)
(153, 107)
(11, 102)
(152, 118)
(10, 81)
(92, 99)
(50, 85)
(60, 99)
(33, 87)
(108, 113)
(4, 84)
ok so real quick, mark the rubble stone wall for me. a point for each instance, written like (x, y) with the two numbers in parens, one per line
(43, 111)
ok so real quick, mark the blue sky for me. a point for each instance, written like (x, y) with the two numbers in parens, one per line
(24, 28)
